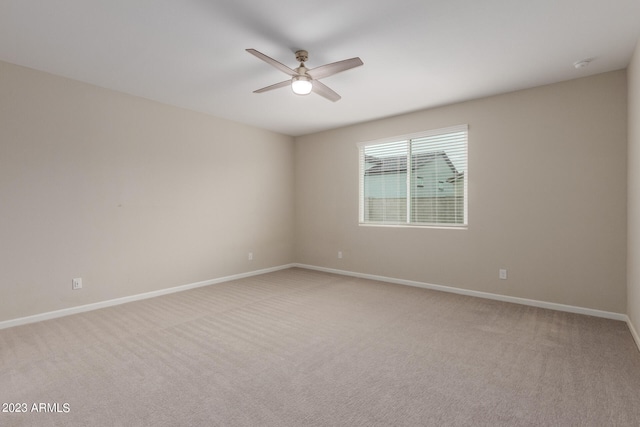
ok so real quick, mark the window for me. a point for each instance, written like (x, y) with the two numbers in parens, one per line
(418, 179)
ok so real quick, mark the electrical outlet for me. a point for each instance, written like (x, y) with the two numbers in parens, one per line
(250, 256)
(76, 283)
(339, 254)
(502, 274)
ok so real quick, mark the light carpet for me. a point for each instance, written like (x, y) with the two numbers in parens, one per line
(304, 348)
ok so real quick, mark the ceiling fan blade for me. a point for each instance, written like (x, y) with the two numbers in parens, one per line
(334, 68)
(275, 86)
(324, 91)
(272, 62)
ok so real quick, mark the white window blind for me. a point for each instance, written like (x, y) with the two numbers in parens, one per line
(420, 179)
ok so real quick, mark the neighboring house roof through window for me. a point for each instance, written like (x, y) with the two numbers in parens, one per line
(396, 164)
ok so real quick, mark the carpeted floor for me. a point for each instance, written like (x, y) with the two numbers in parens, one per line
(304, 348)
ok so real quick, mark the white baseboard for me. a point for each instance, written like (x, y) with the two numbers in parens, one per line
(117, 301)
(487, 295)
(634, 333)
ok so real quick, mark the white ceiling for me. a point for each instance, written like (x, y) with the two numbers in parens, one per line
(416, 53)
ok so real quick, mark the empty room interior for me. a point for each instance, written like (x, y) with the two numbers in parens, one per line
(444, 231)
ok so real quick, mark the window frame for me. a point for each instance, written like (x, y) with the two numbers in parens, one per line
(408, 138)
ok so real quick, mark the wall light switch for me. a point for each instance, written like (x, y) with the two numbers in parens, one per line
(76, 283)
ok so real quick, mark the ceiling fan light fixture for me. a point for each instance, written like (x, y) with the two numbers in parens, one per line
(301, 85)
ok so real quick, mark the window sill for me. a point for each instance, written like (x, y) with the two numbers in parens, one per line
(437, 227)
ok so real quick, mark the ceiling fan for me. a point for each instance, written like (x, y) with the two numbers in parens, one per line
(303, 80)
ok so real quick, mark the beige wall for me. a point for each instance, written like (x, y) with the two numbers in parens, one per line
(633, 255)
(547, 187)
(135, 196)
(131, 195)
